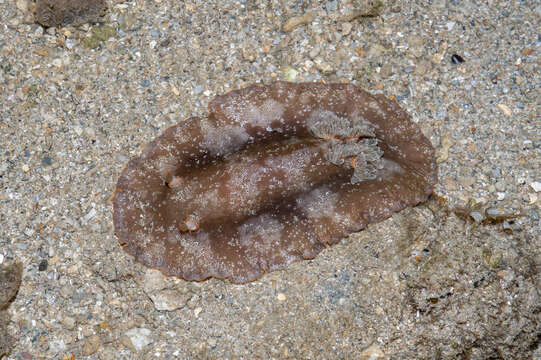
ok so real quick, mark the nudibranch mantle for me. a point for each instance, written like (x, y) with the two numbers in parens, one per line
(273, 175)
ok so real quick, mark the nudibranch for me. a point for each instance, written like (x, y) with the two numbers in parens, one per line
(273, 175)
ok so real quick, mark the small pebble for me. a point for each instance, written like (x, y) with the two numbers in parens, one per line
(443, 151)
(466, 181)
(323, 66)
(155, 286)
(281, 296)
(91, 345)
(68, 323)
(43, 265)
(507, 226)
(198, 90)
(89, 216)
(498, 214)
(138, 338)
(314, 52)
(477, 216)
(331, 5)
(70, 43)
(22, 5)
(289, 73)
(373, 352)
(295, 21)
(46, 161)
(505, 109)
(154, 280)
(91, 133)
(41, 52)
(346, 28)
(457, 59)
(500, 186)
(169, 299)
(57, 345)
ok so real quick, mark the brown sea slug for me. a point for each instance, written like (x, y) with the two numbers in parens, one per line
(273, 175)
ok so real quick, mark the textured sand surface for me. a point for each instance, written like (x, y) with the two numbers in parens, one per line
(431, 282)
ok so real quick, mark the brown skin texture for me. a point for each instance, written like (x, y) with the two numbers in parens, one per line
(10, 281)
(258, 181)
(66, 12)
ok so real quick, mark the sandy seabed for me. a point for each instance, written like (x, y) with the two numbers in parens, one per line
(445, 279)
